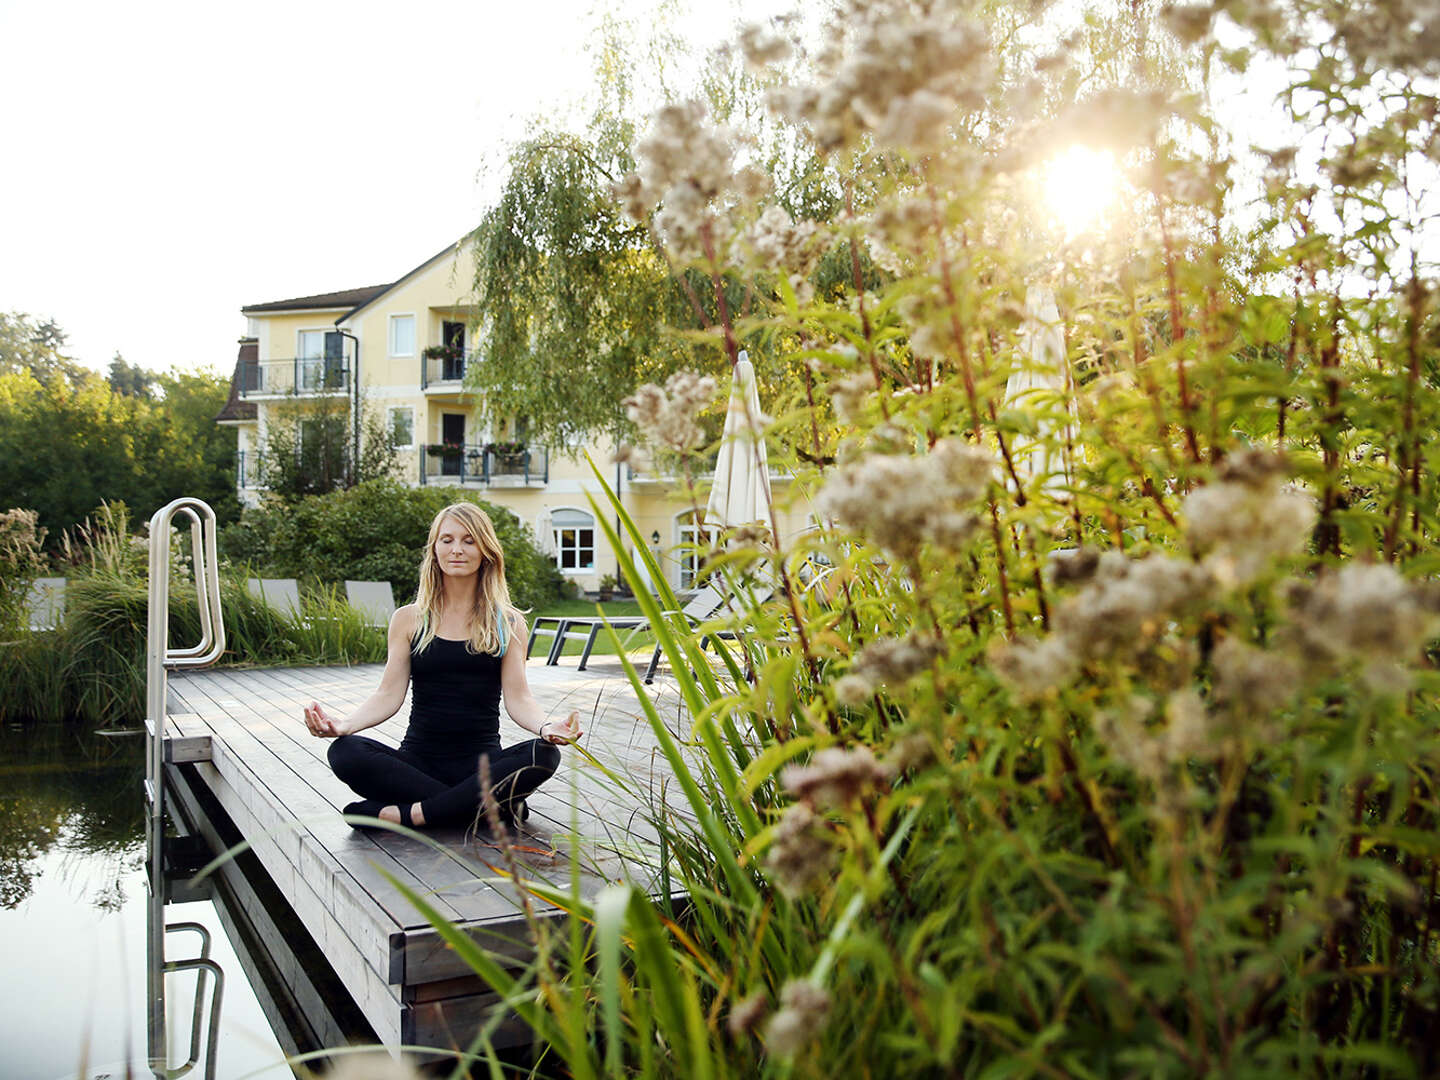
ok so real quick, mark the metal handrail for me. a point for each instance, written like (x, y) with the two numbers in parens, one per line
(159, 659)
(203, 966)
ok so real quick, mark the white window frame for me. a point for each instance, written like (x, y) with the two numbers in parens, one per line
(394, 321)
(307, 333)
(557, 538)
(687, 565)
(390, 413)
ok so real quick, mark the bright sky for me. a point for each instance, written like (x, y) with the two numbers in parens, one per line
(168, 162)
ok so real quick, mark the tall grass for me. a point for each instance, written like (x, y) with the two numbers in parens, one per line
(91, 668)
(1110, 743)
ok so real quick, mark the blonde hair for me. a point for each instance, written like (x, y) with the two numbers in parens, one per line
(492, 595)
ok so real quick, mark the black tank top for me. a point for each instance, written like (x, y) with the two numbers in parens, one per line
(454, 700)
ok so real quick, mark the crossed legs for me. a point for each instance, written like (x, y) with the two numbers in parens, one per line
(440, 791)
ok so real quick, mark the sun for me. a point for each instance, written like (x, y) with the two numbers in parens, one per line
(1080, 185)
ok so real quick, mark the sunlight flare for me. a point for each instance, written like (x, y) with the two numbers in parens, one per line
(1080, 185)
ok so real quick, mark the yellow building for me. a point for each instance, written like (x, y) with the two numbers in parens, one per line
(401, 351)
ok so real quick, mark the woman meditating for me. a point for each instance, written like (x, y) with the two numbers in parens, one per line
(451, 646)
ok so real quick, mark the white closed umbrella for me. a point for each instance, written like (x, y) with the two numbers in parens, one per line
(1041, 378)
(545, 533)
(740, 494)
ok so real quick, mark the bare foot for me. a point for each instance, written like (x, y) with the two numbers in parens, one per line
(392, 815)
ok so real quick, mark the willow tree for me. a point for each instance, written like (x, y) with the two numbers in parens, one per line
(577, 303)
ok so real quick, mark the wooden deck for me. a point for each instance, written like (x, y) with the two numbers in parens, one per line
(242, 733)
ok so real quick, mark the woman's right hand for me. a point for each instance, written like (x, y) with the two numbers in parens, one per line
(321, 723)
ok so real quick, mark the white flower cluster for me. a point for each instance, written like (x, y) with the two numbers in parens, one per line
(902, 502)
(1126, 608)
(848, 394)
(803, 1008)
(899, 227)
(836, 777)
(1249, 518)
(684, 165)
(885, 662)
(667, 414)
(776, 242)
(800, 853)
(762, 46)
(1152, 751)
(897, 71)
(1251, 683)
(1367, 614)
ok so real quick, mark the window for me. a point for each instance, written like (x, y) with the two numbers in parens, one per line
(574, 532)
(693, 542)
(320, 360)
(402, 335)
(312, 345)
(400, 422)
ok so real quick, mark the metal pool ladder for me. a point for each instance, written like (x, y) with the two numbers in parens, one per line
(160, 658)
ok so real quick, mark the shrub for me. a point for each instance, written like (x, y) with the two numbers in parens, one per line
(21, 562)
(91, 668)
(376, 531)
(1106, 741)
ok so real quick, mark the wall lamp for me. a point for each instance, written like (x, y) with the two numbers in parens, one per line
(655, 538)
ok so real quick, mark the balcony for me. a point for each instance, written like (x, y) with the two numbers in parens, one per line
(442, 370)
(667, 473)
(307, 375)
(479, 466)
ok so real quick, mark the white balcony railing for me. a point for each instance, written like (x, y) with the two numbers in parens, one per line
(302, 375)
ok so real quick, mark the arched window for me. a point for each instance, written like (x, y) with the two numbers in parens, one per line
(692, 540)
(574, 533)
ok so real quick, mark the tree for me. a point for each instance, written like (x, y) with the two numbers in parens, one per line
(309, 448)
(34, 345)
(70, 440)
(130, 379)
(576, 302)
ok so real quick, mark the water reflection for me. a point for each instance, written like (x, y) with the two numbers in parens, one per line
(75, 793)
(73, 920)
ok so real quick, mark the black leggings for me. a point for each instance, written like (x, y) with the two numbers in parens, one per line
(447, 789)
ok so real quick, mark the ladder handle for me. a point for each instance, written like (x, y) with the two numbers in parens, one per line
(203, 965)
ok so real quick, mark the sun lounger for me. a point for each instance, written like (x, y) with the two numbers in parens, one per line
(45, 603)
(373, 599)
(282, 594)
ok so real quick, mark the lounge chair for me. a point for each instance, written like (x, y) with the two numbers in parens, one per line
(45, 603)
(705, 604)
(702, 605)
(373, 599)
(538, 629)
(282, 594)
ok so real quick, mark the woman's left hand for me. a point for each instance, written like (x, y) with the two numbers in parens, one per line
(561, 732)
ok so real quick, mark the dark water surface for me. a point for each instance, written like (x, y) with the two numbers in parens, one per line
(72, 921)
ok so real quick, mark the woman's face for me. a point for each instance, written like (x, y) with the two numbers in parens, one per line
(456, 551)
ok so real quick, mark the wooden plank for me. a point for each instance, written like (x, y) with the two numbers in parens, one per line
(273, 779)
(311, 1009)
(323, 911)
(443, 879)
(451, 1022)
(440, 873)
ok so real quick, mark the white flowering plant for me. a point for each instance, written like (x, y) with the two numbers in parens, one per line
(1095, 731)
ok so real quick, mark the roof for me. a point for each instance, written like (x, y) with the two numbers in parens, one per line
(345, 298)
(235, 410)
(449, 249)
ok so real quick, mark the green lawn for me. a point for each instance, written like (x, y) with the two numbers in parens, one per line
(615, 609)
